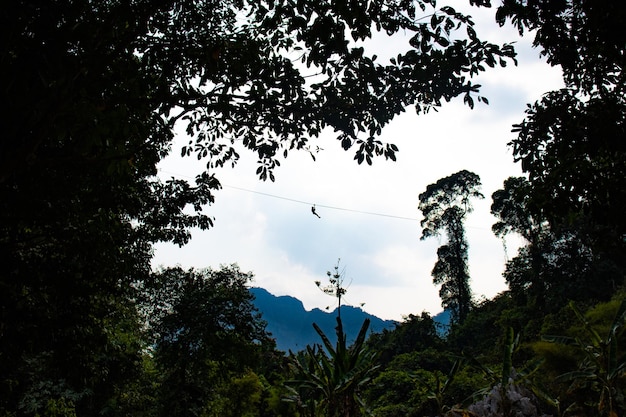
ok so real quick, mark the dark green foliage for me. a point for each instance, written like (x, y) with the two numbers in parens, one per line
(437, 387)
(514, 210)
(240, 397)
(414, 333)
(481, 332)
(330, 381)
(601, 365)
(206, 333)
(69, 330)
(569, 209)
(137, 68)
(507, 380)
(395, 392)
(426, 382)
(573, 151)
(444, 206)
(558, 262)
(584, 37)
(419, 374)
(446, 196)
(571, 145)
(93, 92)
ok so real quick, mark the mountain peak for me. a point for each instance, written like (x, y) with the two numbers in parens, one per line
(292, 325)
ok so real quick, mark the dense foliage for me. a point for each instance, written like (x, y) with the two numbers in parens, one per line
(206, 331)
(568, 209)
(329, 380)
(444, 206)
(93, 93)
(571, 145)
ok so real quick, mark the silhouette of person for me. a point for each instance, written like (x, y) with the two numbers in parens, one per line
(314, 212)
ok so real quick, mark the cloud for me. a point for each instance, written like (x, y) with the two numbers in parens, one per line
(268, 227)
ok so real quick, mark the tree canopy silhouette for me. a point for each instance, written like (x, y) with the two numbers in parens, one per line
(94, 92)
(444, 206)
(572, 149)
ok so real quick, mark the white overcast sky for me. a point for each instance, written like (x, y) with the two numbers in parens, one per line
(268, 228)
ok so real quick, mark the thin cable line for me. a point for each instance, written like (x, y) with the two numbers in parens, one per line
(318, 205)
(304, 202)
(321, 205)
(336, 208)
(269, 195)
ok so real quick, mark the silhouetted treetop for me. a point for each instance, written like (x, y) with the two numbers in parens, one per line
(109, 80)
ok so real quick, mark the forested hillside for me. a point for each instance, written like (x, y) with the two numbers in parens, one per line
(94, 92)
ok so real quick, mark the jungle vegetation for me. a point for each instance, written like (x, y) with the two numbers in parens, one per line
(93, 91)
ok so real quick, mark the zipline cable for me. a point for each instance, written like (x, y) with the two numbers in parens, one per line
(293, 200)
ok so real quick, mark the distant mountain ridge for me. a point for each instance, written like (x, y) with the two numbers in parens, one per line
(292, 325)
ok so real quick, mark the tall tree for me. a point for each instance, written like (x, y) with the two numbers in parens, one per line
(556, 264)
(93, 92)
(206, 330)
(512, 207)
(571, 146)
(444, 206)
(572, 143)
